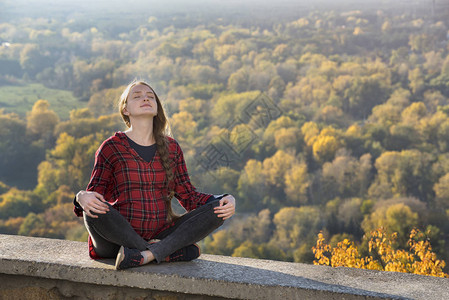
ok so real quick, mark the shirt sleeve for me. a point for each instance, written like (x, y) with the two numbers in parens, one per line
(215, 198)
(185, 192)
(77, 209)
(99, 179)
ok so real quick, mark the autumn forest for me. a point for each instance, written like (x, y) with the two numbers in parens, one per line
(326, 118)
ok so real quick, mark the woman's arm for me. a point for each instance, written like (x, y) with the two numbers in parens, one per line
(185, 192)
(92, 200)
(190, 199)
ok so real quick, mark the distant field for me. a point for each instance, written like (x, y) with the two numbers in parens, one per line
(20, 99)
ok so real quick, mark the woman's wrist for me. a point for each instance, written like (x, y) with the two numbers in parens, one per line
(78, 196)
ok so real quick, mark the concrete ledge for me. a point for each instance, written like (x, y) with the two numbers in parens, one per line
(58, 268)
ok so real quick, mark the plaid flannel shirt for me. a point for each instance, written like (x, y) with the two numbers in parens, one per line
(137, 188)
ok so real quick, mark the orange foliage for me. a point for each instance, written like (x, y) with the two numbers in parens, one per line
(383, 255)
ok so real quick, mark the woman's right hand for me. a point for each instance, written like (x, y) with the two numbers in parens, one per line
(92, 202)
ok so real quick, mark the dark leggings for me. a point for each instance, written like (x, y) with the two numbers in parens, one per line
(111, 230)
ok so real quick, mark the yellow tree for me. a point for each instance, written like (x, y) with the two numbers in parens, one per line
(296, 183)
(383, 254)
(251, 185)
(41, 121)
(310, 132)
(184, 127)
(325, 147)
(282, 133)
(397, 218)
(275, 167)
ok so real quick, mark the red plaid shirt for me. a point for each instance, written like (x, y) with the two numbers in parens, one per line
(136, 188)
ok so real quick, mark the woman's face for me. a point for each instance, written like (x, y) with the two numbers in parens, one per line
(141, 102)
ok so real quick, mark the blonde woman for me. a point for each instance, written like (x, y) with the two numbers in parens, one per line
(127, 205)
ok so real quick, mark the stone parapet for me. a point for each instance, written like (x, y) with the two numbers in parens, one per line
(40, 268)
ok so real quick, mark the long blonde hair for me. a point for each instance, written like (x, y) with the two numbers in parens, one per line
(161, 129)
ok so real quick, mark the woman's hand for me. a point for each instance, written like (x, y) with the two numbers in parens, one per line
(92, 202)
(226, 208)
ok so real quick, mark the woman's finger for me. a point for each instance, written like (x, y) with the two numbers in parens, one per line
(225, 216)
(222, 211)
(87, 212)
(225, 213)
(98, 209)
(100, 204)
(223, 208)
(99, 196)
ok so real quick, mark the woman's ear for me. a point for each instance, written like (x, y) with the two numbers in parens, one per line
(125, 112)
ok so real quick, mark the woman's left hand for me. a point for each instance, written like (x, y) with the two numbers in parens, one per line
(226, 208)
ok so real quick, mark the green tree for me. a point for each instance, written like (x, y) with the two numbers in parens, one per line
(295, 226)
(17, 203)
(20, 156)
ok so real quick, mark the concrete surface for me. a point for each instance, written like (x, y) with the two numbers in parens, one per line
(210, 276)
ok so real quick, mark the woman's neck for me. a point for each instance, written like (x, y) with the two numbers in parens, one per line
(141, 133)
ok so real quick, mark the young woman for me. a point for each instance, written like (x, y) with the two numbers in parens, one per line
(127, 205)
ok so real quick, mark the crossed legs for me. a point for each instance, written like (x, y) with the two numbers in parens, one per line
(110, 231)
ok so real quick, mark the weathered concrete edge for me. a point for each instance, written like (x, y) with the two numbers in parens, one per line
(213, 275)
(168, 283)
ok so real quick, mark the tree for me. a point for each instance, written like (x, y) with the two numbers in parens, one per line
(69, 163)
(33, 225)
(288, 138)
(251, 185)
(310, 132)
(17, 203)
(31, 59)
(297, 183)
(247, 249)
(104, 102)
(414, 113)
(184, 127)
(406, 173)
(441, 189)
(416, 81)
(20, 156)
(82, 123)
(230, 108)
(325, 147)
(281, 134)
(41, 122)
(295, 226)
(346, 176)
(239, 80)
(228, 67)
(365, 93)
(383, 254)
(398, 218)
(275, 168)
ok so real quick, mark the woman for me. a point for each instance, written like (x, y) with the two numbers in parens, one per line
(127, 205)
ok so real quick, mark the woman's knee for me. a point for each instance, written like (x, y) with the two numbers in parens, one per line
(217, 221)
(109, 216)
